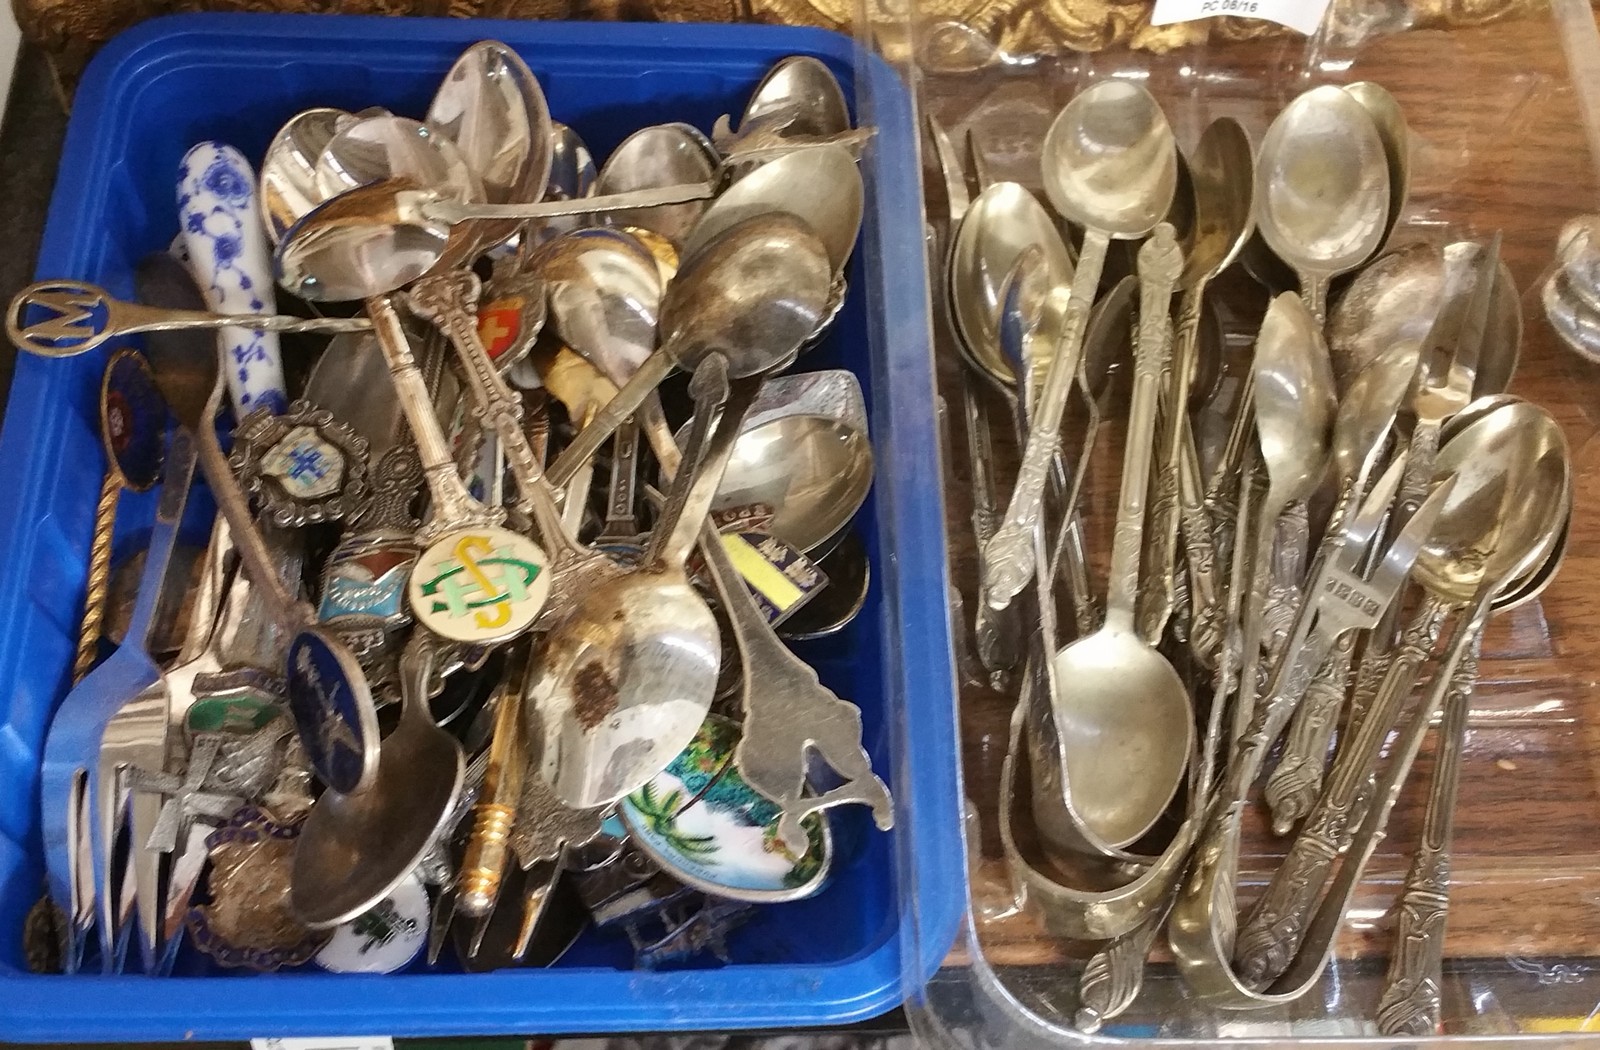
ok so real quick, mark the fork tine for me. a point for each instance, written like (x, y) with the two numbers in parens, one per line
(1402, 553)
(1368, 519)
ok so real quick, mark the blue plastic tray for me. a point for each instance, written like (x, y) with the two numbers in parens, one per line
(836, 958)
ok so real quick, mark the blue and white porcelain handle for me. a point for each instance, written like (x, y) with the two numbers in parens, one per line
(229, 256)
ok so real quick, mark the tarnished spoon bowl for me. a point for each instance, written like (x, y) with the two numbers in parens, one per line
(604, 289)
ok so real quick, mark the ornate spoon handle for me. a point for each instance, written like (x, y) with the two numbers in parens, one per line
(450, 301)
(1009, 554)
(1295, 783)
(1158, 594)
(1271, 935)
(1410, 1003)
(451, 506)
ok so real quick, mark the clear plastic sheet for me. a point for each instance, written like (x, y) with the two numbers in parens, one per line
(1499, 142)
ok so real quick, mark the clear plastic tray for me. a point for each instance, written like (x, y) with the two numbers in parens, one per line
(1498, 142)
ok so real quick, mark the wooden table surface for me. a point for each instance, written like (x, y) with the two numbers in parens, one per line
(1497, 144)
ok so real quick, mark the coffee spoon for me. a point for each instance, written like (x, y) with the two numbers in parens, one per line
(1220, 172)
(354, 849)
(1109, 163)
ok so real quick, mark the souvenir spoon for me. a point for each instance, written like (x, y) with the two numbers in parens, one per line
(328, 691)
(802, 92)
(1220, 173)
(755, 295)
(355, 849)
(625, 682)
(491, 107)
(132, 421)
(78, 317)
(803, 452)
(604, 293)
(1110, 164)
(573, 569)
(427, 207)
(572, 176)
(653, 157)
(389, 147)
(821, 187)
(1509, 467)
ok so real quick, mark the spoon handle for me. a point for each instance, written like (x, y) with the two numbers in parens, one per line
(1314, 293)
(1410, 1003)
(78, 317)
(1009, 554)
(451, 506)
(1160, 261)
(235, 508)
(694, 488)
(605, 423)
(453, 212)
(1296, 781)
(450, 300)
(228, 254)
(1157, 598)
(621, 520)
(488, 850)
(790, 716)
(1271, 934)
(1200, 552)
(99, 585)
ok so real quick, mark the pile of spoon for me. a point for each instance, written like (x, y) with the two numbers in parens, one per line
(481, 649)
(1287, 551)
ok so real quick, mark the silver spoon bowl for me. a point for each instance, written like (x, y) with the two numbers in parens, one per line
(653, 157)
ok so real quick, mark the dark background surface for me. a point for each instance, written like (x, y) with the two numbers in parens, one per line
(30, 148)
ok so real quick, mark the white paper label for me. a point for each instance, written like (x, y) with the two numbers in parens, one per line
(1303, 16)
(354, 1042)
